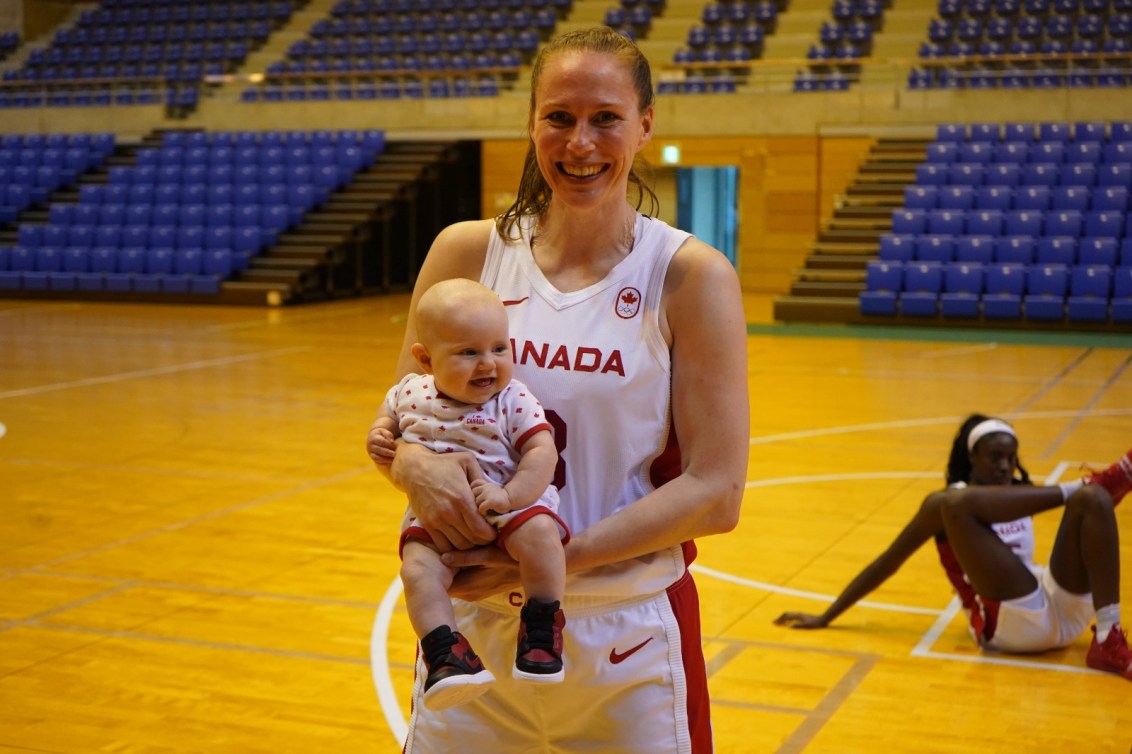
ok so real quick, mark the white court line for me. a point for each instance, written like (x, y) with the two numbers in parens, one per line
(808, 595)
(3, 429)
(924, 649)
(379, 663)
(124, 376)
(949, 352)
(927, 422)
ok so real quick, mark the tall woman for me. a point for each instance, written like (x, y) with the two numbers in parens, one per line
(632, 334)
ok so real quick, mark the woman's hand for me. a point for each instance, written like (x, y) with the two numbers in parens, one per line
(440, 495)
(801, 620)
(481, 572)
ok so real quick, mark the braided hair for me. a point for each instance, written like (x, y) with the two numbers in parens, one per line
(959, 462)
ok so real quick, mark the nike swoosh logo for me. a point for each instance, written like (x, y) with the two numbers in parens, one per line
(514, 302)
(619, 657)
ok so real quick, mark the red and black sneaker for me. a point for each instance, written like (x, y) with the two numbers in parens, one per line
(1111, 656)
(539, 655)
(1116, 479)
(455, 673)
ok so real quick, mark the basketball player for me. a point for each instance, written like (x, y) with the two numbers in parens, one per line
(982, 527)
(632, 334)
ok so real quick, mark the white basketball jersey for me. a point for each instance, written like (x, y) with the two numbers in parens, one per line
(597, 361)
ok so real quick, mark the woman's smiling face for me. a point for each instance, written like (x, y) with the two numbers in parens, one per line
(587, 126)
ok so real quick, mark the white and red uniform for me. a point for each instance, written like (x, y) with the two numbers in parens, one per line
(1047, 619)
(494, 431)
(635, 674)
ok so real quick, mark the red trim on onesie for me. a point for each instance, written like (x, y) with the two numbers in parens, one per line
(527, 435)
(419, 534)
(526, 515)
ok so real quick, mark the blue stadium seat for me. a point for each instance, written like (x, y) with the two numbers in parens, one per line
(1040, 174)
(956, 197)
(933, 174)
(909, 221)
(1056, 250)
(1121, 302)
(985, 222)
(962, 290)
(1111, 199)
(1015, 250)
(1078, 174)
(935, 248)
(923, 282)
(1089, 289)
(1105, 224)
(1004, 285)
(1115, 174)
(1046, 285)
(942, 152)
(897, 247)
(1070, 197)
(975, 248)
(921, 197)
(1068, 222)
(1033, 197)
(946, 221)
(966, 174)
(994, 197)
(1022, 223)
(1003, 174)
(1012, 152)
(1097, 251)
(883, 282)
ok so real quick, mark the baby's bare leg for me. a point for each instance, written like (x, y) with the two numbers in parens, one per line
(537, 546)
(426, 581)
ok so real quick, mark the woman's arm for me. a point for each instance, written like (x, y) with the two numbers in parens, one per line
(923, 526)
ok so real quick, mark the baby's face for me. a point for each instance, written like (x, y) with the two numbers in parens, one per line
(471, 355)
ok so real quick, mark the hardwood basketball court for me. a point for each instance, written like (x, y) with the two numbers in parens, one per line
(196, 554)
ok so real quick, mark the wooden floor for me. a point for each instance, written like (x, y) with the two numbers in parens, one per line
(195, 551)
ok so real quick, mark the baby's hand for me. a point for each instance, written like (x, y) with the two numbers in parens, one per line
(490, 498)
(380, 445)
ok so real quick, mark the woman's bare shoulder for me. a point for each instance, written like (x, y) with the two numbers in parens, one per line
(459, 250)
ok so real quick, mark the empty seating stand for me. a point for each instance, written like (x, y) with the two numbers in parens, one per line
(128, 52)
(1019, 222)
(719, 49)
(843, 39)
(387, 49)
(190, 214)
(1027, 44)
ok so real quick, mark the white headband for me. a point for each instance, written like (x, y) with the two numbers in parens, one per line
(982, 429)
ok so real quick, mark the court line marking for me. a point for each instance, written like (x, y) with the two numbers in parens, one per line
(142, 373)
(925, 422)
(3, 429)
(379, 664)
(739, 580)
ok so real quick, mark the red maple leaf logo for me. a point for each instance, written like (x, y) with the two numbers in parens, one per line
(629, 298)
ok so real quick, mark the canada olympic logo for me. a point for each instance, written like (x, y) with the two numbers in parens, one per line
(628, 303)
